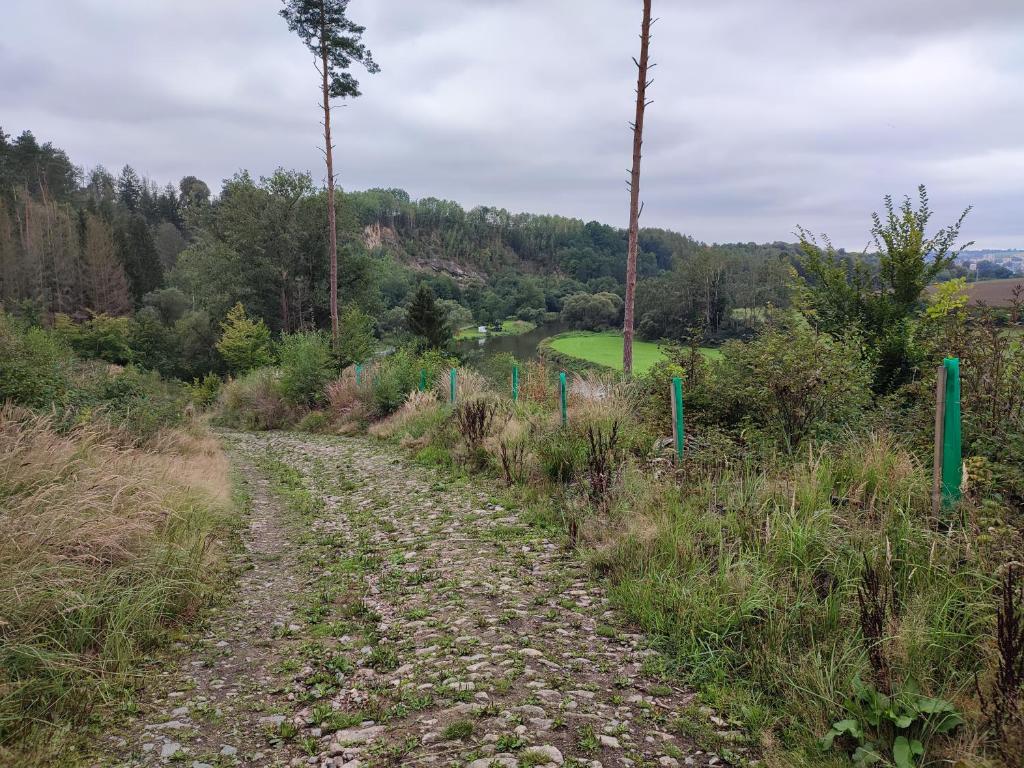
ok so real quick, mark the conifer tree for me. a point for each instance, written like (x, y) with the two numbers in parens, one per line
(335, 42)
(139, 257)
(106, 284)
(634, 188)
(427, 319)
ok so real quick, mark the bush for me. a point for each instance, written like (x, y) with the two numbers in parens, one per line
(306, 367)
(254, 401)
(244, 343)
(101, 336)
(400, 373)
(561, 455)
(138, 403)
(790, 381)
(34, 371)
(355, 340)
(316, 422)
(204, 391)
(153, 344)
(592, 311)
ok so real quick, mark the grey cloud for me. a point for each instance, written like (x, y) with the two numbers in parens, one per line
(766, 114)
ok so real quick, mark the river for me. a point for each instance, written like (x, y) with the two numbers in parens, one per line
(523, 347)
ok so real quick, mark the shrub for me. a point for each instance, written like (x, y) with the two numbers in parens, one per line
(153, 344)
(396, 376)
(316, 422)
(355, 339)
(253, 401)
(561, 454)
(204, 391)
(306, 367)
(101, 336)
(244, 343)
(34, 369)
(592, 311)
(138, 404)
(790, 381)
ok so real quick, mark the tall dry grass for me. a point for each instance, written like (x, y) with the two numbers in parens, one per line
(103, 548)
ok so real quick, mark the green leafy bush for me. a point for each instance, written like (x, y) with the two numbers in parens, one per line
(244, 343)
(306, 367)
(204, 391)
(101, 336)
(791, 382)
(561, 455)
(355, 340)
(35, 365)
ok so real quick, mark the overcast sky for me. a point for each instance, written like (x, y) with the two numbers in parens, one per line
(766, 113)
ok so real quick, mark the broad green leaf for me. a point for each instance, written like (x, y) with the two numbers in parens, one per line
(931, 706)
(947, 722)
(901, 755)
(901, 721)
(866, 755)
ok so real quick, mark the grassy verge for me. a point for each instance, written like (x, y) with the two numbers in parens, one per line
(510, 327)
(604, 350)
(746, 575)
(106, 551)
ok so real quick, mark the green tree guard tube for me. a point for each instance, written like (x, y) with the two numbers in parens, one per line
(451, 395)
(423, 379)
(677, 416)
(952, 456)
(515, 383)
(562, 391)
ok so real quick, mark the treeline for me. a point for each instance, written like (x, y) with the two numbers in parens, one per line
(78, 246)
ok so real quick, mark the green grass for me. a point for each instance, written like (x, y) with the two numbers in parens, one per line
(605, 349)
(510, 327)
(95, 578)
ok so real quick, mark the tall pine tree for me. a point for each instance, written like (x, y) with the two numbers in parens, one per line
(335, 42)
(106, 284)
(427, 319)
(139, 257)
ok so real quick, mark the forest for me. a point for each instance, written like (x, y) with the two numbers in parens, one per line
(171, 260)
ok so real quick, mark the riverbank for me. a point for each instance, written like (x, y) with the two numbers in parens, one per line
(510, 327)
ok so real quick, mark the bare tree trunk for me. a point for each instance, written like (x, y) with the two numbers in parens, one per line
(634, 189)
(286, 321)
(332, 223)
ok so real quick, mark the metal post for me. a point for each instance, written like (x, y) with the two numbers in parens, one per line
(515, 383)
(563, 391)
(678, 433)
